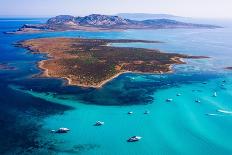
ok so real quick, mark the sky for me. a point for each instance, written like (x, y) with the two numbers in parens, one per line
(47, 8)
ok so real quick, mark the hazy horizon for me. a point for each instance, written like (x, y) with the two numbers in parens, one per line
(47, 8)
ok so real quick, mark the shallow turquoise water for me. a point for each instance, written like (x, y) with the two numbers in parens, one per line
(178, 127)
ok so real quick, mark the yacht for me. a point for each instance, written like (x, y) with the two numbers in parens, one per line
(62, 130)
(134, 139)
(99, 123)
(146, 112)
(215, 94)
(169, 100)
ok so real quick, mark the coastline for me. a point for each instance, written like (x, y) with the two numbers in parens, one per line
(44, 73)
(54, 67)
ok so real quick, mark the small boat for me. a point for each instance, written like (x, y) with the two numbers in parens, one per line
(215, 94)
(99, 123)
(134, 139)
(169, 100)
(204, 82)
(224, 81)
(130, 112)
(178, 94)
(62, 130)
(53, 131)
(198, 101)
(146, 112)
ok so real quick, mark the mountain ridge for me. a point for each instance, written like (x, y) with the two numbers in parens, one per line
(98, 22)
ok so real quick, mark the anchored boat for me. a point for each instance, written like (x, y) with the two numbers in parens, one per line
(134, 139)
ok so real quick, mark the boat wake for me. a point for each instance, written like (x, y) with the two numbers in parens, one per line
(225, 111)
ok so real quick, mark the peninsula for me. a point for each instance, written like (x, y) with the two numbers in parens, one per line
(97, 22)
(92, 62)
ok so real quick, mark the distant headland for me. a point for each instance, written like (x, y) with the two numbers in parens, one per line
(92, 63)
(97, 22)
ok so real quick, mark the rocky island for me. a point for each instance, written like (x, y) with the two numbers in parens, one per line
(92, 62)
(97, 22)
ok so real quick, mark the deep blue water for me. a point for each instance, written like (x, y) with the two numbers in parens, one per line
(31, 107)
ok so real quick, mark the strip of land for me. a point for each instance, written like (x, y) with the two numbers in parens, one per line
(92, 63)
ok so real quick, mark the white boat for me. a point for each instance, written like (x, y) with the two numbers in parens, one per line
(146, 112)
(53, 130)
(99, 123)
(130, 112)
(198, 101)
(178, 94)
(169, 100)
(134, 139)
(215, 94)
(62, 130)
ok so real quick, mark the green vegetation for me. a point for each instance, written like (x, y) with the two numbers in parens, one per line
(90, 62)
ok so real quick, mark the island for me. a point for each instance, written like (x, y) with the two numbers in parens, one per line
(97, 22)
(93, 62)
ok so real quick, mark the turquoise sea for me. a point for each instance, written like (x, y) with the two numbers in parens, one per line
(31, 107)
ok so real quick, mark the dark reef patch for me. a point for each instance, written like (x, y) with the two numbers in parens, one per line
(20, 119)
(124, 90)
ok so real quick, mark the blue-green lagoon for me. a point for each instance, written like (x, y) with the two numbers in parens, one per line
(32, 107)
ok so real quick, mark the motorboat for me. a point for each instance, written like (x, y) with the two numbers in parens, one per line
(62, 130)
(178, 94)
(169, 100)
(197, 101)
(130, 112)
(146, 112)
(99, 123)
(215, 94)
(134, 139)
